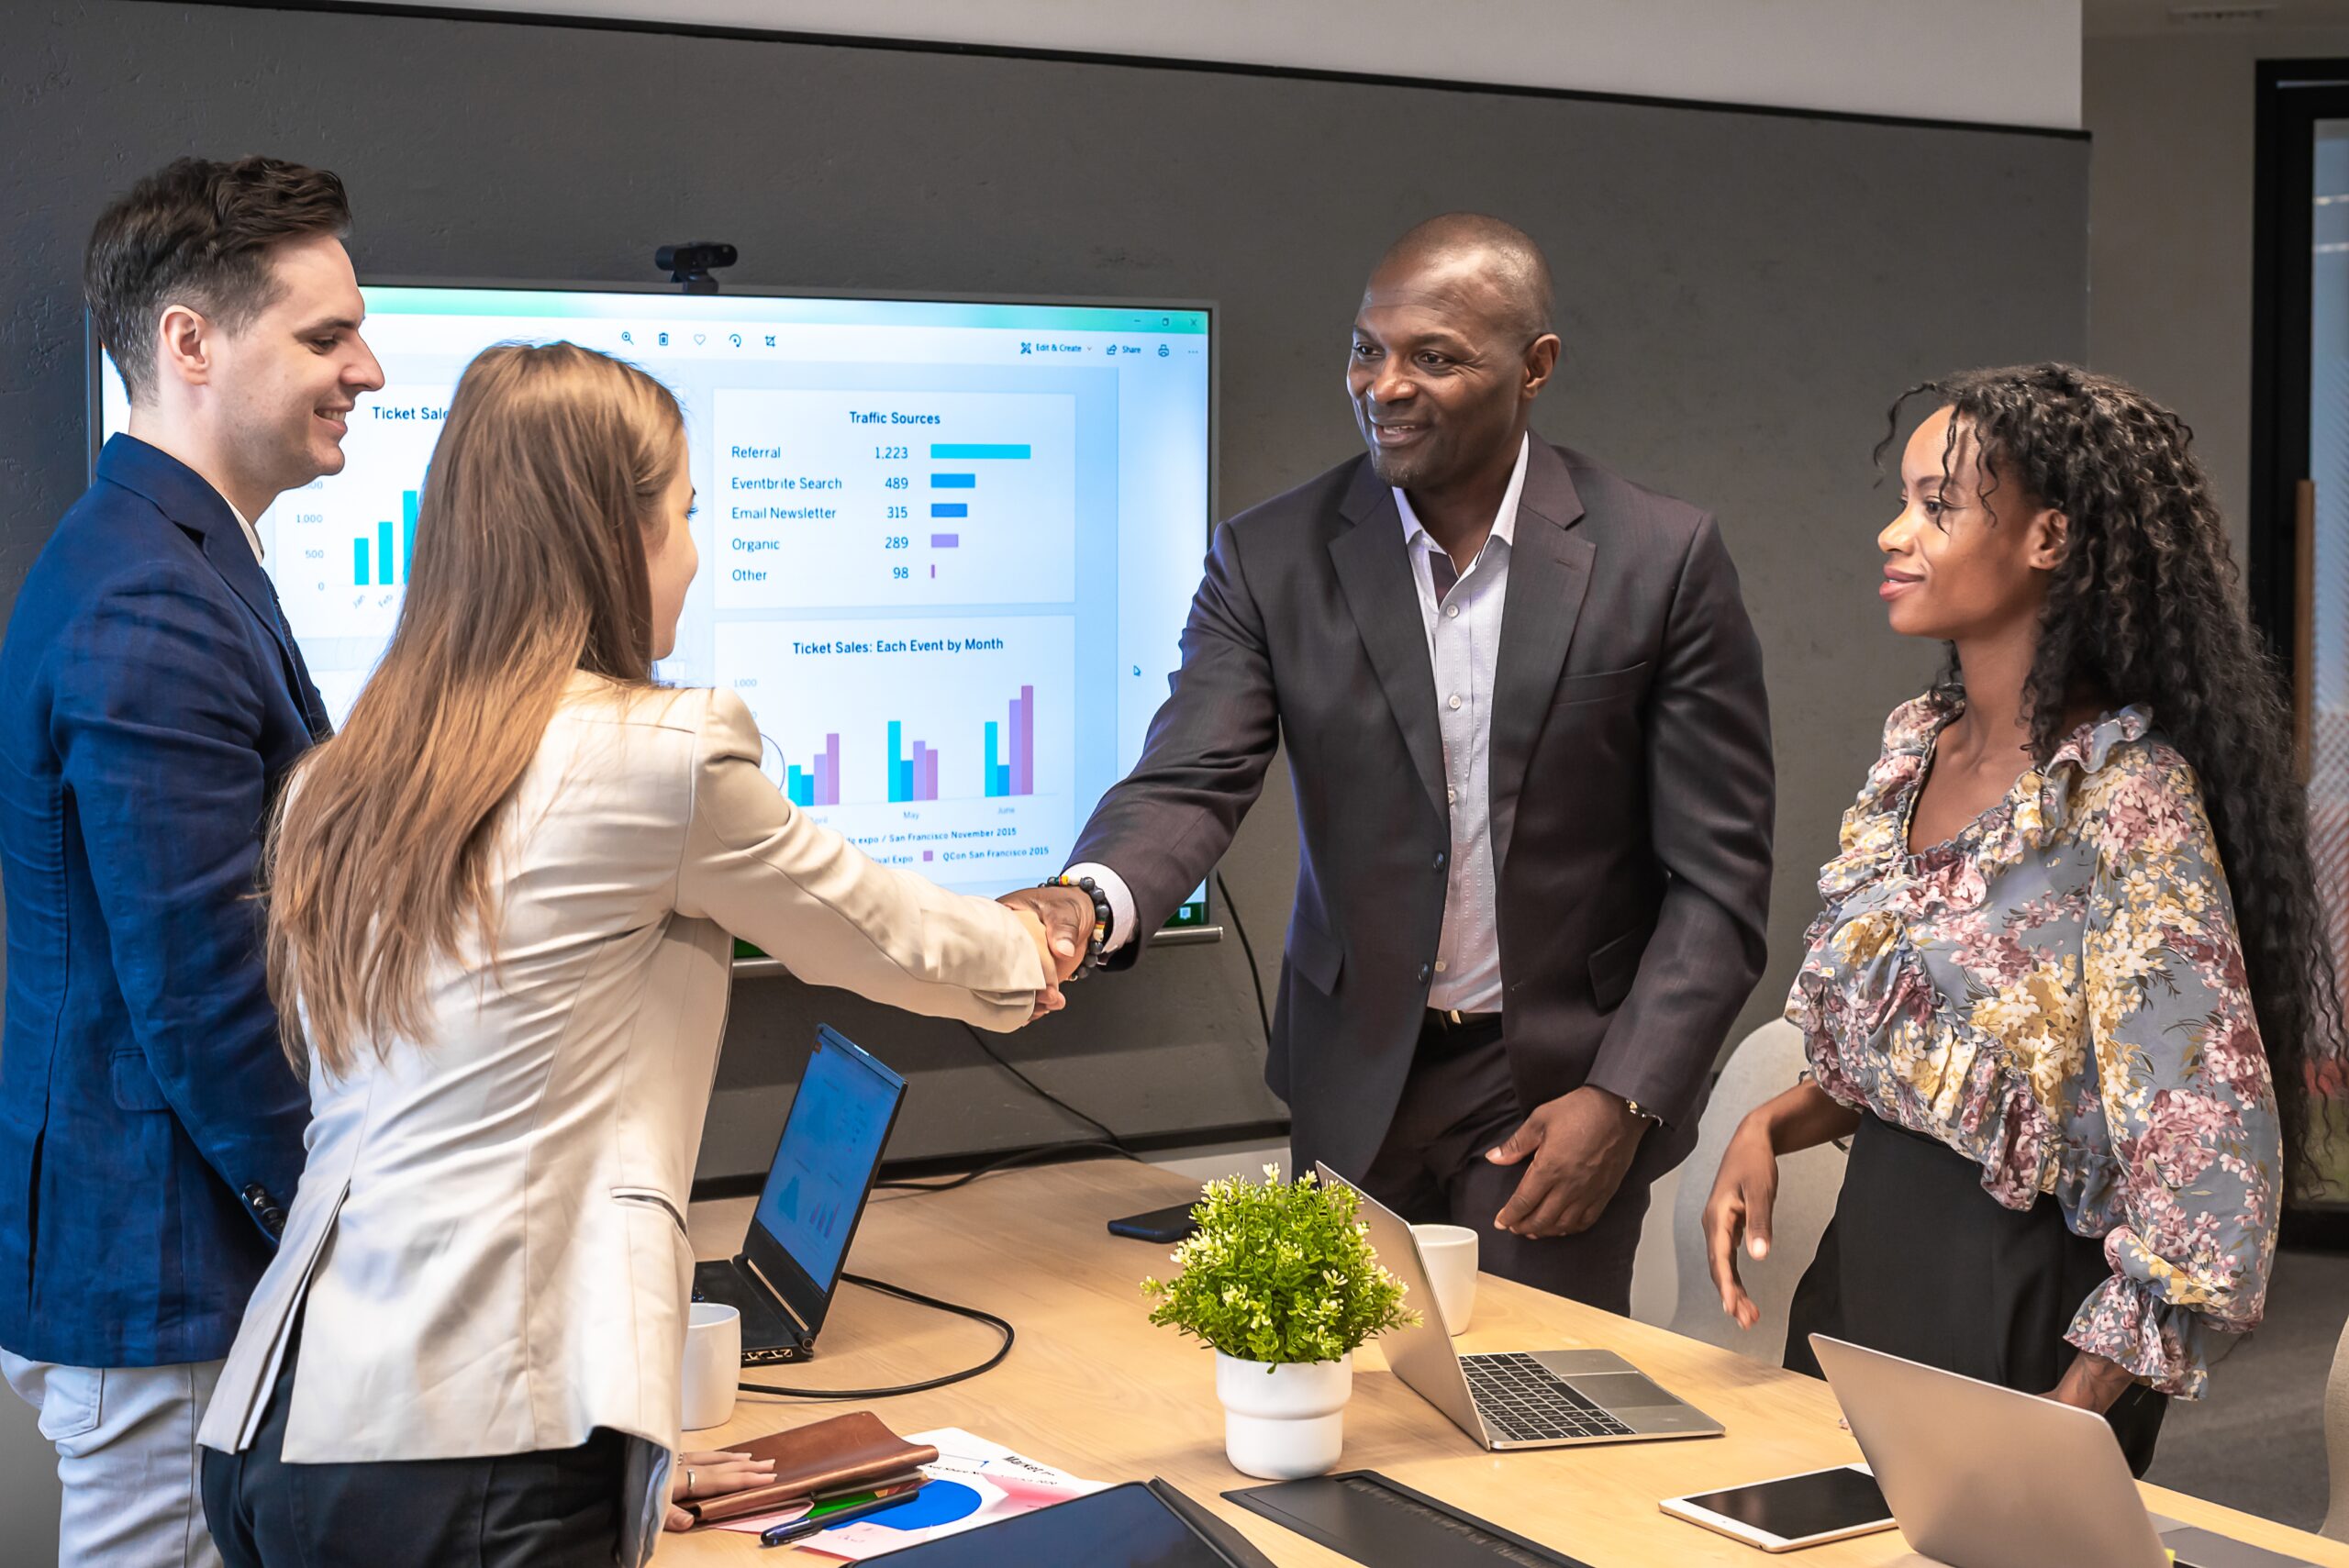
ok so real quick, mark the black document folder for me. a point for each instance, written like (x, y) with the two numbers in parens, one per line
(1384, 1524)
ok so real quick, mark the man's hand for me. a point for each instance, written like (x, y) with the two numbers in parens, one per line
(1579, 1144)
(1067, 914)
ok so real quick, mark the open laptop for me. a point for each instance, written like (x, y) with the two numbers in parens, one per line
(1981, 1476)
(782, 1280)
(1516, 1399)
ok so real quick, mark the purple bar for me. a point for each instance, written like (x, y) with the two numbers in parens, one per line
(945, 541)
(927, 788)
(828, 773)
(1023, 743)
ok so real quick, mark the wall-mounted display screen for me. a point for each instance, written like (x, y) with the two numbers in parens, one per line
(947, 548)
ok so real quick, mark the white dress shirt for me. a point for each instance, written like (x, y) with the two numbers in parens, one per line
(1464, 627)
(252, 538)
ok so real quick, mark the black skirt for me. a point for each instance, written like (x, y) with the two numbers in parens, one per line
(1920, 1263)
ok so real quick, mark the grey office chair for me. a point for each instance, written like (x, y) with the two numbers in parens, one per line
(1766, 1063)
(2336, 1440)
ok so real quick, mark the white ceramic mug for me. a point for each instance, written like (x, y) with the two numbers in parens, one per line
(713, 1364)
(1449, 1254)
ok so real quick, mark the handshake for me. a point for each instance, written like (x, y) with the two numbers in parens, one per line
(1060, 920)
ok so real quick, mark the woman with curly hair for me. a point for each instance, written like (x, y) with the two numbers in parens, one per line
(2069, 983)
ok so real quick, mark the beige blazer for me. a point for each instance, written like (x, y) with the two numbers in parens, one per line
(489, 1230)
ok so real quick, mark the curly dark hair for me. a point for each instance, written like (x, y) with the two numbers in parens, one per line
(2146, 606)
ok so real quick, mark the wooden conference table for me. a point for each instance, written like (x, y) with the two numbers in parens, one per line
(1092, 1387)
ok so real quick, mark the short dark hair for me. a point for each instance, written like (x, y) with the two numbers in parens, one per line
(197, 232)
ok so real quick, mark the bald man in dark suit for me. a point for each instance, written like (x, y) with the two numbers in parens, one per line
(1525, 719)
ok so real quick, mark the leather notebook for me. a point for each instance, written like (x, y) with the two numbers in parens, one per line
(830, 1458)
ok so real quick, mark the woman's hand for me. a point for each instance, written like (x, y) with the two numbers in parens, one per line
(1049, 999)
(708, 1474)
(1746, 1188)
(1739, 1210)
(2092, 1382)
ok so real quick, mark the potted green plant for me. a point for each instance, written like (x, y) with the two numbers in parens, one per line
(1280, 1280)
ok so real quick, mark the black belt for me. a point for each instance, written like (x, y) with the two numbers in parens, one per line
(1451, 1020)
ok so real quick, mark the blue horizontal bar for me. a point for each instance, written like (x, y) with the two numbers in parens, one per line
(948, 509)
(977, 449)
(953, 481)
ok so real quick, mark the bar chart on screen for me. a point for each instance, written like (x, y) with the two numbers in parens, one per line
(340, 548)
(944, 745)
(833, 499)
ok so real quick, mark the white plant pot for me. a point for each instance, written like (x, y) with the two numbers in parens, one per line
(1286, 1422)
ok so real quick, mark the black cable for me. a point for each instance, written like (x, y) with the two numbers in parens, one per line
(917, 1298)
(1005, 1161)
(1041, 1092)
(1108, 1141)
(1231, 908)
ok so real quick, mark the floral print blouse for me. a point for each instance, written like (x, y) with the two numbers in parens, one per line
(2058, 994)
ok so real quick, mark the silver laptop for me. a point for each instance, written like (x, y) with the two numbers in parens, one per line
(1981, 1476)
(1516, 1399)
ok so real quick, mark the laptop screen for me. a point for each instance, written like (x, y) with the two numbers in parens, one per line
(832, 1145)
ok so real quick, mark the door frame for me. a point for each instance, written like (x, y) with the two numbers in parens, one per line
(2293, 96)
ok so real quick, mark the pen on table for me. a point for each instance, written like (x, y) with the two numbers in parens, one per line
(785, 1534)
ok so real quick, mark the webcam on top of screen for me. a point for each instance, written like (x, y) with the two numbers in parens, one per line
(689, 264)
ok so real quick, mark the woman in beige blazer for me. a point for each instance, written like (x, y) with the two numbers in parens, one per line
(500, 909)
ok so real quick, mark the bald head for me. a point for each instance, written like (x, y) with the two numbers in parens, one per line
(1479, 257)
(1452, 344)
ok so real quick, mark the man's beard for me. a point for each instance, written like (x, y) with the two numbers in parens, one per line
(278, 452)
(1397, 471)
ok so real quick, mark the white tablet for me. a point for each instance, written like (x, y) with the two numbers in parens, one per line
(1793, 1511)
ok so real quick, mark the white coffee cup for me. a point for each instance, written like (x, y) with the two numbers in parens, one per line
(713, 1364)
(1449, 1254)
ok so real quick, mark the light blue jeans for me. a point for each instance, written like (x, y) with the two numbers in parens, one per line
(127, 1457)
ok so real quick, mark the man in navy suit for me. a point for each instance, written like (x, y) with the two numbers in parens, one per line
(152, 702)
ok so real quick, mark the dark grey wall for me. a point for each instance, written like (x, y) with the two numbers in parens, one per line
(1742, 293)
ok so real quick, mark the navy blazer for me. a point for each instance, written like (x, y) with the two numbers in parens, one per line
(151, 1128)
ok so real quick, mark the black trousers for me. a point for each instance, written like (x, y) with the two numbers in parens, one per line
(1458, 1103)
(559, 1508)
(1920, 1263)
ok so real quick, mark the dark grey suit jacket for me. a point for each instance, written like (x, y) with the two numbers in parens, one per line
(1631, 778)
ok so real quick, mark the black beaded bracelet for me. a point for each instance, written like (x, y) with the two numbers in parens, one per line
(1102, 920)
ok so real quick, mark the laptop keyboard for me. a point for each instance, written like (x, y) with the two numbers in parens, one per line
(764, 1326)
(1523, 1401)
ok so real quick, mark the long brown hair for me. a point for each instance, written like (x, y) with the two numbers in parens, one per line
(531, 538)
